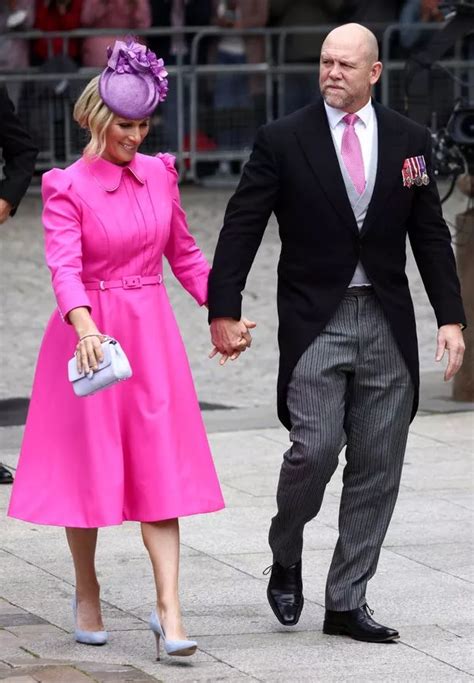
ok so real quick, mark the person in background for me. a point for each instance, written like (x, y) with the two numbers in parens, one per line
(235, 93)
(19, 155)
(127, 15)
(178, 14)
(255, 14)
(57, 15)
(373, 11)
(301, 88)
(15, 15)
(418, 11)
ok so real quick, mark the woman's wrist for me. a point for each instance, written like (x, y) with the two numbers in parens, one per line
(90, 334)
(81, 320)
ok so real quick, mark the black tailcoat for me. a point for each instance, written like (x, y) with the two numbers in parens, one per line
(19, 153)
(294, 172)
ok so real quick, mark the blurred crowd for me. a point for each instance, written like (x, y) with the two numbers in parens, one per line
(128, 15)
(230, 94)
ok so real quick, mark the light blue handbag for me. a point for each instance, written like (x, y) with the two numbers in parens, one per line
(113, 368)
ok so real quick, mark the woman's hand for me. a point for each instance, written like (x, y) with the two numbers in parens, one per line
(88, 349)
(230, 338)
(89, 352)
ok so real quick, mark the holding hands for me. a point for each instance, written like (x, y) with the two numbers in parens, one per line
(5, 210)
(230, 337)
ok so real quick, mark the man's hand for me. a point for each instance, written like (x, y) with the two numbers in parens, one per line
(450, 339)
(5, 208)
(230, 337)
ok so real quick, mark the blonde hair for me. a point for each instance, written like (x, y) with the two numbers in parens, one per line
(91, 112)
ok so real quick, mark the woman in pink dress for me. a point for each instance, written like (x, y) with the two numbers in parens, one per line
(137, 450)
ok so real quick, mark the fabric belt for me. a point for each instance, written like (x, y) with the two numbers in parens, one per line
(129, 282)
(359, 290)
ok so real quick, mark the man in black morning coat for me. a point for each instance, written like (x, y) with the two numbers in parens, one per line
(332, 174)
(19, 156)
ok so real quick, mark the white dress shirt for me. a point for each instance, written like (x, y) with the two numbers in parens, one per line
(364, 128)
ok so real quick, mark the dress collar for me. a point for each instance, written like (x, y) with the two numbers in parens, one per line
(109, 175)
(335, 116)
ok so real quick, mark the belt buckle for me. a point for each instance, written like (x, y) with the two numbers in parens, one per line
(132, 282)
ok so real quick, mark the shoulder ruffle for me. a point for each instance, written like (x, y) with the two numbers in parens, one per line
(55, 181)
(169, 161)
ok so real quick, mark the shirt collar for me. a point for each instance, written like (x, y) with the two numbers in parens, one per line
(335, 116)
(109, 175)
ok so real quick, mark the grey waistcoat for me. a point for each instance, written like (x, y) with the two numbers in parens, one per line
(360, 202)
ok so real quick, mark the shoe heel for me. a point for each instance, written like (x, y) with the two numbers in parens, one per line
(157, 638)
(333, 631)
(178, 648)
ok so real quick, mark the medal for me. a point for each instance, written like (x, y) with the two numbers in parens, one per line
(415, 170)
(407, 174)
(424, 175)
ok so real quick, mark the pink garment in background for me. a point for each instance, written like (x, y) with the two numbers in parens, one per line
(122, 14)
(137, 450)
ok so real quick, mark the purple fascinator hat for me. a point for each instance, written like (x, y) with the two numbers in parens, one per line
(134, 80)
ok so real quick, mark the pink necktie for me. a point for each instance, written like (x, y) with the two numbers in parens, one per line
(352, 153)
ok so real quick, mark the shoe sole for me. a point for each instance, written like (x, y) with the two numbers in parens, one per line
(277, 614)
(183, 653)
(84, 642)
(329, 631)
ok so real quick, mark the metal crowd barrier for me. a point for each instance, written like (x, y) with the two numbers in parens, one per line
(193, 124)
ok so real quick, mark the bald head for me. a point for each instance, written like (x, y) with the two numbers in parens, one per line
(349, 67)
(355, 38)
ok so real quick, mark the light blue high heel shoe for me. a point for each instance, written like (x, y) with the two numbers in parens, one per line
(175, 648)
(87, 637)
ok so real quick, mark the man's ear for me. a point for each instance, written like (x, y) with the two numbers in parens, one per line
(375, 72)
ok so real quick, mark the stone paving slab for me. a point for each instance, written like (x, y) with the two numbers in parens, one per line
(424, 584)
(76, 672)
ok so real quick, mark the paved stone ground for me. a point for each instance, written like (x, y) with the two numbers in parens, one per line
(423, 585)
(424, 582)
(27, 303)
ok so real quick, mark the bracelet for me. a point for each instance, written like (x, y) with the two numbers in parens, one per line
(92, 334)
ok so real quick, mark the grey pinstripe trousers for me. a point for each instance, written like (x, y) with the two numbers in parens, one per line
(350, 386)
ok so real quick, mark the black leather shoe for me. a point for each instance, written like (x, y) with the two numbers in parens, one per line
(285, 593)
(358, 624)
(5, 475)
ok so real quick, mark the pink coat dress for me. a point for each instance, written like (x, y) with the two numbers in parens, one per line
(137, 450)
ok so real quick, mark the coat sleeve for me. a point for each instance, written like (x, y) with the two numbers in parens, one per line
(245, 220)
(185, 258)
(19, 153)
(63, 241)
(431, 243)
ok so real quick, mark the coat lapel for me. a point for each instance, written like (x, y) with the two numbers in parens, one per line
(314, 137)
(391, 153)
